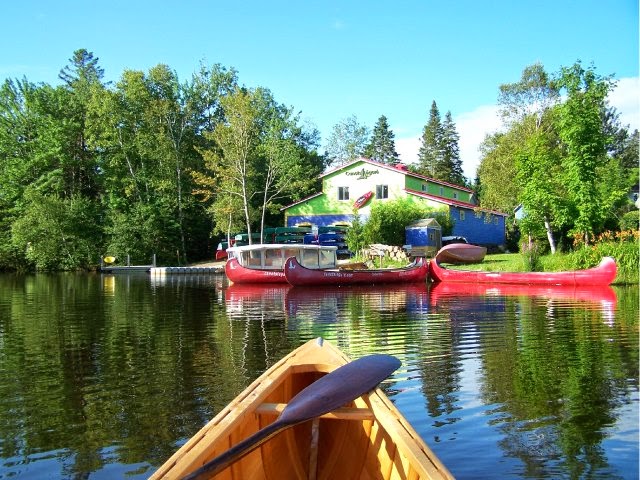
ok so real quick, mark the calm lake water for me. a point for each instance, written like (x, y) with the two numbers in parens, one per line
(104, 376)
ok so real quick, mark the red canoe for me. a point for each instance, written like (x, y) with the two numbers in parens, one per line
(264, 263)
(239, 274)
(359, 203)
(461, 253)
(603, 274)
(297, 275)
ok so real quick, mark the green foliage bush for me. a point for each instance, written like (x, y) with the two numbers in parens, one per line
(355, 234)
(531, 257)
(630, 220)
(388, 220)
(623, 246)
(56, 233)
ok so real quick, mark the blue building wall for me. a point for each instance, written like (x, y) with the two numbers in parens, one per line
(419, 236)
(477, 228)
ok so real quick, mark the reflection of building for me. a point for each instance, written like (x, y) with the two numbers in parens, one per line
(364, 182)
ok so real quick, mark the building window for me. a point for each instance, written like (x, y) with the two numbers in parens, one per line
(343, 193)
(442, 191)
(382, 191)
(455, 194)
(424, 187)
(495, 220)
(461, 214)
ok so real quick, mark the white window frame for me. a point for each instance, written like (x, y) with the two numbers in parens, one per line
(383, 190)
(343, 193)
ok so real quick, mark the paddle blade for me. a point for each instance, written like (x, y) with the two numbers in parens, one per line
(339, 387)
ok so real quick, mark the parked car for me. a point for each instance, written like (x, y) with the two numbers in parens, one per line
(453, 239)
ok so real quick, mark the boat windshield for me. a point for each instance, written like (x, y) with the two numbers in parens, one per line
(274, 258)
(327, 259)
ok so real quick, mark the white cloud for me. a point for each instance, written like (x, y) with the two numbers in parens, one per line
(626, 99)
(408, 148)
(473, 126)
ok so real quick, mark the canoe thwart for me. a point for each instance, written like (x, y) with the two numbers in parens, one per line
(343, 413)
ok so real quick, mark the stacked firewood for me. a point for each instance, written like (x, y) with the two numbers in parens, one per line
(377, 250)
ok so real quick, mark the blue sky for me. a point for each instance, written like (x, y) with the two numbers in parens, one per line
(334, 59)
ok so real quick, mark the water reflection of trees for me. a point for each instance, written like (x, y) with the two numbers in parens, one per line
(552, 372)
(96, 371)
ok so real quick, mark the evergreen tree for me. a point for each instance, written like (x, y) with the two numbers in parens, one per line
(451, 165)
(439, 155)
(430, 150)
(382, 147)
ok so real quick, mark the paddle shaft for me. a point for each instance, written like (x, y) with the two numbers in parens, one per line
(238, 451)
(331, 391)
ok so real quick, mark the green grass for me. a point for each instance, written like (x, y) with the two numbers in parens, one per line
(514, 262)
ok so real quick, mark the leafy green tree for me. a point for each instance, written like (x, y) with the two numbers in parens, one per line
(355, 234)
(57, 233)
(496, 165)
(347, 141)
(79, 163)
(543, 197)
(527, 108)
(234, 159)
(286, 172)
(382, 146)
(580, 126)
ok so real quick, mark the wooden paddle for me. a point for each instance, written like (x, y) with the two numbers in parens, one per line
(332, 391)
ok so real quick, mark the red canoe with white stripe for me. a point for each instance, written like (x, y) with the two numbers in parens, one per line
(603, 274)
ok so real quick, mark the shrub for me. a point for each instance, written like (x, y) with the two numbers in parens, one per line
(531, 257)
(623, 246)
(630, 220)
(388, 220)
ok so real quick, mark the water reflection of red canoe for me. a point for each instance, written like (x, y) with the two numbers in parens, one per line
(248, 291)
(298, 275)
(391, 297)
(241, 296)
(601, 275)
(599, 294)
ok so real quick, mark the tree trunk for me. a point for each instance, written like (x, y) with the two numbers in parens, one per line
(552, 242)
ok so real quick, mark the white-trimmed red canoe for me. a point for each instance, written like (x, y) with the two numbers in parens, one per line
(264, 263)
(361, 200)
(461, 253)
(298, 276)
(366, 439)
(603, 274)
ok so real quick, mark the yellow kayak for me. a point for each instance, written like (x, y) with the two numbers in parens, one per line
(366, 439)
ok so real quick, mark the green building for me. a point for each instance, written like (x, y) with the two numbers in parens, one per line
(365, 181)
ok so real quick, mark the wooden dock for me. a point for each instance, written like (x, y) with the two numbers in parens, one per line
(125, 268)
(162, 271)
(107, 266)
